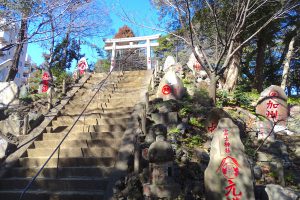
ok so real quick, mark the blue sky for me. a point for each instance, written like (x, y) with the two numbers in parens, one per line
(140, 10)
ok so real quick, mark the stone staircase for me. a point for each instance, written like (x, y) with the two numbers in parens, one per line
(80, 169)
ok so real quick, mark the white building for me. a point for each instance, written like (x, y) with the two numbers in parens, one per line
(8, 35)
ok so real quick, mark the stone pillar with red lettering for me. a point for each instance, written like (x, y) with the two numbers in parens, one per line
(170, 87)
(45, 81)
(272, 104)
(228, 175)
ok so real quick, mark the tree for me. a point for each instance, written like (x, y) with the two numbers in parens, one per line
(215, 27)
(52, 20)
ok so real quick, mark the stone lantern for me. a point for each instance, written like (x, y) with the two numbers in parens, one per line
(161, 157)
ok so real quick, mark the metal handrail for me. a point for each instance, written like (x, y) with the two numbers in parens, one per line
(58, 146)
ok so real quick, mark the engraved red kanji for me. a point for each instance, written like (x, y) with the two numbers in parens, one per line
(270, 104)
(231, 189)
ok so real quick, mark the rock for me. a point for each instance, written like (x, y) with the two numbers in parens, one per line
(168, 62)
(294, 111)
(293, 121)
(257, 172)
(273, 104)
(276, 192)
(182, 127)
(228, 174)
(159, 129)
(35, 119)
(11, 125)
(170, 87)
(6, 146)
(165, 118)
(9, 93)
(23, 91)
(213, 118)
(264, 128)
(202, 155)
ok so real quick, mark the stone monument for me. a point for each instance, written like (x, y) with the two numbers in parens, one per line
(170, 87)
(168, 62)
(272, 104)
(228, 174)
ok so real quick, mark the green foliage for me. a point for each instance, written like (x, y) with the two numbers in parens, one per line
(195, 122)
(34, 81)
(183, 112)
(294, 100)
(173, 131)
(201, 97)
(193, 141)
(289, 178)
(65, 52)
(60, 76)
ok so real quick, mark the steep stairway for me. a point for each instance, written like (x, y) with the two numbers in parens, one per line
(80, 168)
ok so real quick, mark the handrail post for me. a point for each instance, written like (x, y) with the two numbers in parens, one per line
(50, 98)
(64, 87)
(25, 125)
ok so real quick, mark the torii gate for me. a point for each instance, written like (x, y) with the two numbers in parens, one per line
(112, 44)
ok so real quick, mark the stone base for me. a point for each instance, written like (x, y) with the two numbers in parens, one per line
(170, 191)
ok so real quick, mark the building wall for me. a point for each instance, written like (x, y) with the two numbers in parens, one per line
(8, 36)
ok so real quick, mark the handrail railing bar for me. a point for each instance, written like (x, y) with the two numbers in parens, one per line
(43, 166)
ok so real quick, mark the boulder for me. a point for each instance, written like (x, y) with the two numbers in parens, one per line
(170, 87)
(265, 128)
(9, 93)
(7, 146)
(213, 118)
(35, 119)
(23, 91)
(11, 125)
(228, 174)
(273, 104)
(276, 192)
(168, 62)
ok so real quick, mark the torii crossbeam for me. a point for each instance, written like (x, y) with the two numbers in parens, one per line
(112, 44)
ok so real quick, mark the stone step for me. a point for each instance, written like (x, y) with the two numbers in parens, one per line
(63, 172)
(67, 162)
(78, 143)
(73, 152)
(83, 135)
(97, 104)
(90, 128)
(55, 184)
(88, 120)
(79, 109)
(49, 195)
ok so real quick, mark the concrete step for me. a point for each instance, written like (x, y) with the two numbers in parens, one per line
(78, 143)
(90, 128)
(67, 162)
(62, 172)
(88, 120)
(83, 135)
(72, 152)
(49, 195)
(55, 184)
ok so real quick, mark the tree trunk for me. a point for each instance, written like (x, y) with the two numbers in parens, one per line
(286, 66)
(232, 73)
(21, 39)
(213, 87)
(260, 62)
